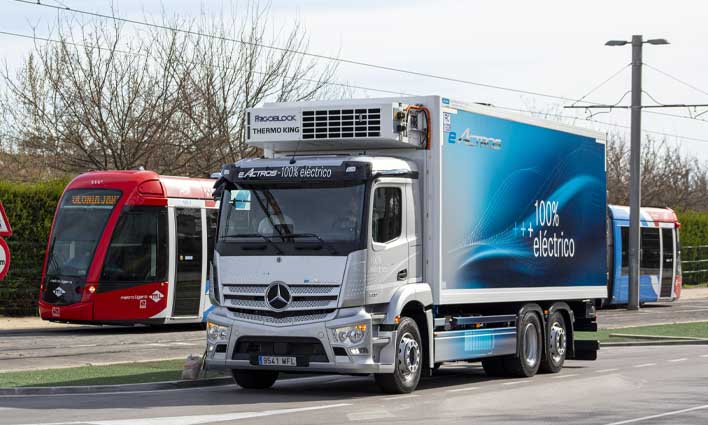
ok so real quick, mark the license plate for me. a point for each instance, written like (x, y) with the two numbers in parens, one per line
(277, 361)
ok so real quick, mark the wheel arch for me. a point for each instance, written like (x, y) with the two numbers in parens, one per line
(415, 301)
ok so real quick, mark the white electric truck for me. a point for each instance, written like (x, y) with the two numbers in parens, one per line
(388, 236)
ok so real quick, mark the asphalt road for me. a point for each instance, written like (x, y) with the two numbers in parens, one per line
(646, 385)
(60, 346)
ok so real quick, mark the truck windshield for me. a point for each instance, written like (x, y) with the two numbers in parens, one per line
(320, 217)
(80, 221)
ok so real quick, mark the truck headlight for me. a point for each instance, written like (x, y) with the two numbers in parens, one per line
(217, 332)
(349, 335)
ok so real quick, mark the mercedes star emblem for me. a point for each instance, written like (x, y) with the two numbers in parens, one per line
(278, 296)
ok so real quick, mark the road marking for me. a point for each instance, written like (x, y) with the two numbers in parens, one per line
(399, 397)
(660, 415)
(704, 355)
(606, 370)
(644, 365)
(463, 389)
(369, 415)
(323, 379)
(564, 376)
(203, 419)
(678, 360)
(515, 382)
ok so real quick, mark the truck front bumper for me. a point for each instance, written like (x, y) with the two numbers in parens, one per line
(377, 348)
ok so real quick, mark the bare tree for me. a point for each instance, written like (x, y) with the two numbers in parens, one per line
(104, 97)
(669, 176)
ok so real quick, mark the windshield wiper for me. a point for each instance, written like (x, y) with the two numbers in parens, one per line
(257, 235)
(329, 246)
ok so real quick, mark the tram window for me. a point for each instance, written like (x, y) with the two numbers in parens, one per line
(625, 250)
(651, 251)
(138, 250)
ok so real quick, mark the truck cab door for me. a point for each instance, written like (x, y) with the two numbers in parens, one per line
(388, 260)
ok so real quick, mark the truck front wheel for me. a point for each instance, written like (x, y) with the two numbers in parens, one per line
(409, 360)
(255, 379)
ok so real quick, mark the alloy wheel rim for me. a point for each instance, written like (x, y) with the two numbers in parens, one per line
(557, 342)
(408, 356)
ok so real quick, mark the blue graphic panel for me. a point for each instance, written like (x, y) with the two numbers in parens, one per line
(523, 206)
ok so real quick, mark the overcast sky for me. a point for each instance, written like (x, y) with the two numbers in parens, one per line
(553, 47)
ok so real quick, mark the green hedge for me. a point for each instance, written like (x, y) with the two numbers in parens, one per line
(30, 209)
(694, 247)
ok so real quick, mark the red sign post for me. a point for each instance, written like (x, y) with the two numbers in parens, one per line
(5, 230)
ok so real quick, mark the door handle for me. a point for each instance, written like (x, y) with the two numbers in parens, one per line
(403, 274)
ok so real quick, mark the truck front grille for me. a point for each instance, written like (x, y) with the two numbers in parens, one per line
(341, 123)
(307, 349)
(310, 303)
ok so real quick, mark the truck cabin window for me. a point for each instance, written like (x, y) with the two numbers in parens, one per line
(386, 215)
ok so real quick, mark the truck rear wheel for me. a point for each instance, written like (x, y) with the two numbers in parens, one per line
(409, 360)
(556, 342)
(530, 345)
(255, 379)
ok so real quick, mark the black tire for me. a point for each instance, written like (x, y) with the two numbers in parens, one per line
(530, 345)
(255, 379)
(409, 360)
(555, 344)
(494, 367)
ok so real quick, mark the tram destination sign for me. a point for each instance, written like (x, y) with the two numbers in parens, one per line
(92, 199)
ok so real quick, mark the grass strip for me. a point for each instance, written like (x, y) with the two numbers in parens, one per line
(120, 373)
(694, 330)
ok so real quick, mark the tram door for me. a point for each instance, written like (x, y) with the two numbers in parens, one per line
(188, 262)
(667, 262)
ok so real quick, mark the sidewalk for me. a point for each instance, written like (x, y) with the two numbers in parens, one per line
(21, 323)
(694, 294)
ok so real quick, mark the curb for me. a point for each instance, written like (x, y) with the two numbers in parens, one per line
(658, 337)
(655, 343)
(92, 389)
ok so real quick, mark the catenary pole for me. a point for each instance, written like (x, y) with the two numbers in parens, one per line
(635, 177)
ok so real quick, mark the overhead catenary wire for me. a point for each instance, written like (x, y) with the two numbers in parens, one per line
(653, 68)
(125, 52)
(597, 87)
(302, 53)
(561, 116)
(333, 58)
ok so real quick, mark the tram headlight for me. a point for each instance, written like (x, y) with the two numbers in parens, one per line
(217, 332)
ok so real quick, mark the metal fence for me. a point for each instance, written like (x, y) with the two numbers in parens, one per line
(694, 264)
